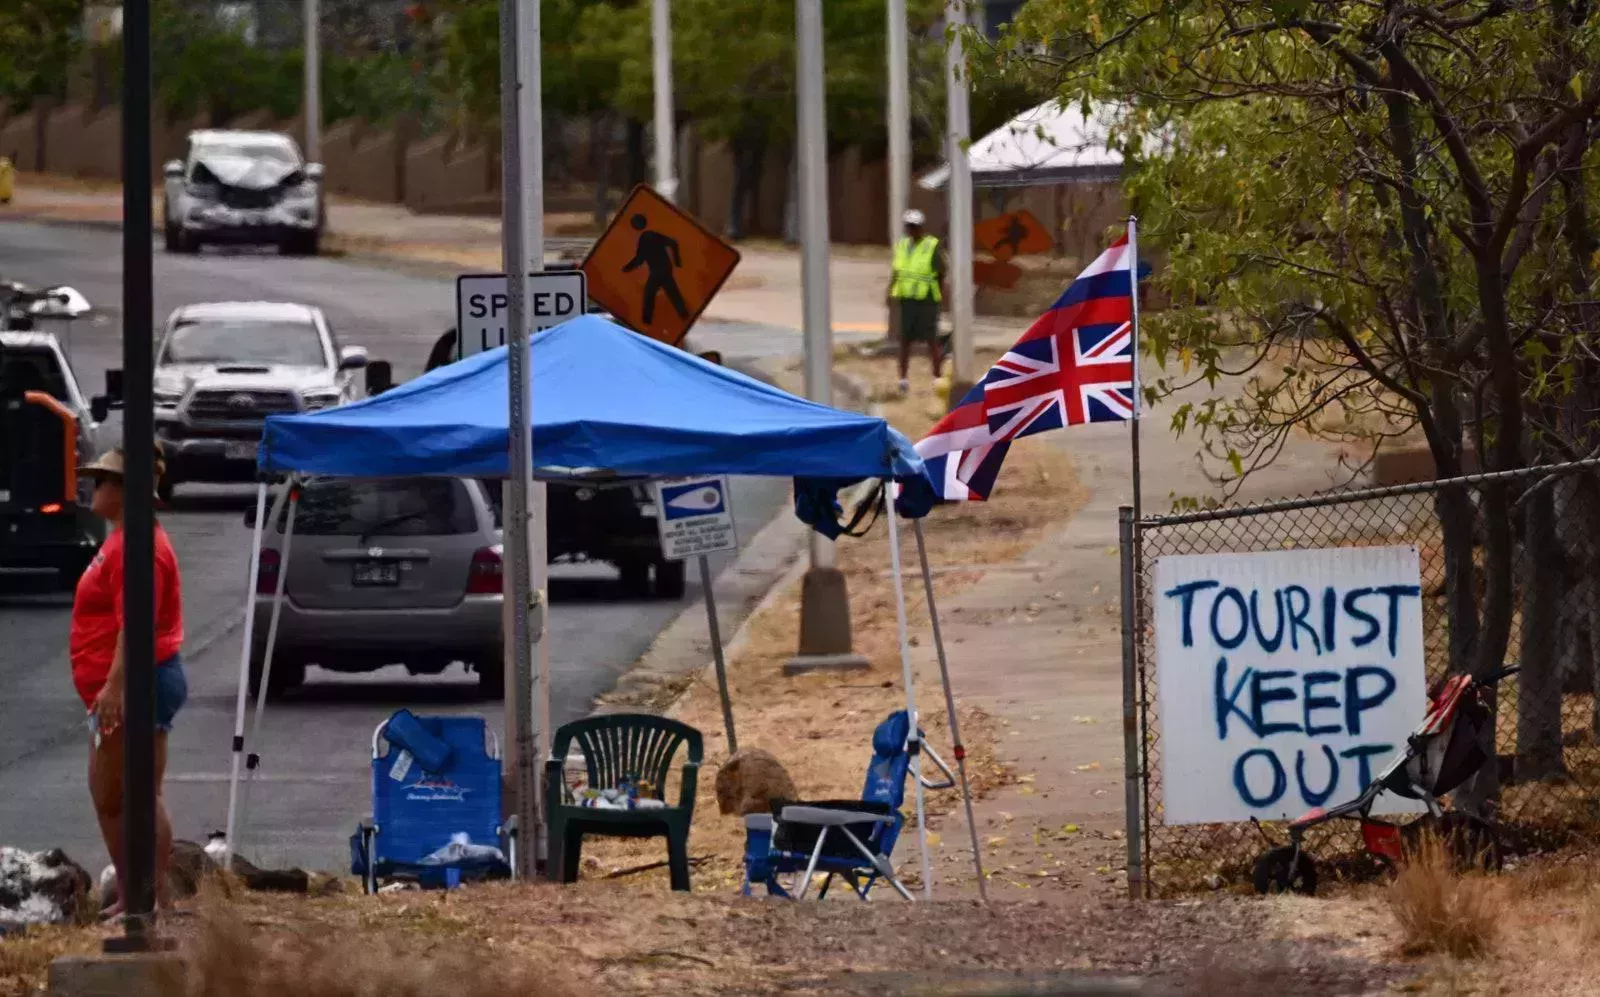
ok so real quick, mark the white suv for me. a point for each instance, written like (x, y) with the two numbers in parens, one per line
(224, 367)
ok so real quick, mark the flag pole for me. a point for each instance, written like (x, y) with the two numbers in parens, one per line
(1133, 291)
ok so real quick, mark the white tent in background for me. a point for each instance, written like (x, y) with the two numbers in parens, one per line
(1048, 144)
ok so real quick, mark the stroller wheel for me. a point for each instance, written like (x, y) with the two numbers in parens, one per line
(1471, 841)
(1281, 871)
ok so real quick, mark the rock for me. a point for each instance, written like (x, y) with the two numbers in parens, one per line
(42, 888)
(750, 781)
(192, 862)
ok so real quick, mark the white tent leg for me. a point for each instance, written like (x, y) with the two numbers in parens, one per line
(244, 660)
(253, 759)
(914, 745)
(950, 709)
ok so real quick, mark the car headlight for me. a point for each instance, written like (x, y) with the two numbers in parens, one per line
(320, 399)
(168, 399)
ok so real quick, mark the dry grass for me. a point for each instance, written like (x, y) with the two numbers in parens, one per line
(820, 726)
(1441, 911)
(230, 957)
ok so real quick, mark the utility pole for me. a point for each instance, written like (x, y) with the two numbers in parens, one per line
(313, 87)
(137, 868)
(666, 132)
(899, 119)
(523, 250)
(824, 602)
(958, 130)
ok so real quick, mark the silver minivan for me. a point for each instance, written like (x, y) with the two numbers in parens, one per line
(381, 572)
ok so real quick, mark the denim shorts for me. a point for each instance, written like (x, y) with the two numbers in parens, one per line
(172, 691)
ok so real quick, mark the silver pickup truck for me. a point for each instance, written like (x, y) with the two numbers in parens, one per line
(223, 367)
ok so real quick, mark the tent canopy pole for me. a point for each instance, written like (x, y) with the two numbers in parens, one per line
(914, 739)
(244, 660)
(950, 709)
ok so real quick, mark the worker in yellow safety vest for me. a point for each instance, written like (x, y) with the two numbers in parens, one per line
(917, 288)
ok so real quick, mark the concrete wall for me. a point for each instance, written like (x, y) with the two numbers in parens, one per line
(454, 173)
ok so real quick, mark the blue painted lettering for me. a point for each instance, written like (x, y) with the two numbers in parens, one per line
(1316, 798)
(1241, 782)
(1314, 702)
(1351, 609)
(1255, 621)
(1356, 702)
(1227, 702)
(1237, 598)
(1395, 594)
(1364, 754)
(1330, 615)
(1185, 595)
(1299, 603)
(1262, 696)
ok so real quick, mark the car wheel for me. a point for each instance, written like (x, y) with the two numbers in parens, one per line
(635, 577)
(491, 665)
(288, 672)
(164, 489)
(169, 234)
(186, 243)
(669, 579)
(301, 244)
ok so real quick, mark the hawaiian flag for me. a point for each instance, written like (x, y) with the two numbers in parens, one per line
(1073, 365)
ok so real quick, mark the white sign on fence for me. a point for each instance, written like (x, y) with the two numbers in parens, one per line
(554, 296)
(694, 517)
(1287, 679)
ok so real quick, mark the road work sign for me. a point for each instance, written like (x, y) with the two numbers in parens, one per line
(694, 517)
(482, 303)
(656, 268)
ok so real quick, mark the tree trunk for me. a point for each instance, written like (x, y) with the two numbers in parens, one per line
(1544, 581)
(637, 164)
(598, 146)
(749, 153)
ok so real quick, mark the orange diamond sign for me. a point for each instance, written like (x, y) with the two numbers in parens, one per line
(655, 268)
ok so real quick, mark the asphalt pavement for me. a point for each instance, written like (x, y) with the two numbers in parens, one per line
(313, 785)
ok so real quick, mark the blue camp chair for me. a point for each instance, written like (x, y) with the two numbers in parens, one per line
(433, 780)
(852, 839)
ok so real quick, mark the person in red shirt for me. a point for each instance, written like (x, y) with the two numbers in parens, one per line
(97, 662)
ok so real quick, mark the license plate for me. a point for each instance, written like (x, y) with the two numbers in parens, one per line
(376, 573)
(239, 450)
(255, 218)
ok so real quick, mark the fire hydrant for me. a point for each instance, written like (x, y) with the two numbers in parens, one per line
(8, 180)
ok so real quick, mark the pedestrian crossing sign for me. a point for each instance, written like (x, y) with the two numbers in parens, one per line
(655, 268)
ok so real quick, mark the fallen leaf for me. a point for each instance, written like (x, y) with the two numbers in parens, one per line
(1091, 767)
(1025, 790)
(996, 841)
(1025, 778)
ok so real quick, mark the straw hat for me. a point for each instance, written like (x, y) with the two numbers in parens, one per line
(110, 464)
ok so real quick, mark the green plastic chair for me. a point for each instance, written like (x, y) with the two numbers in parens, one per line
(617, 746)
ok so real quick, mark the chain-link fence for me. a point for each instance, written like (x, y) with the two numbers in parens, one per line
(1514, 552)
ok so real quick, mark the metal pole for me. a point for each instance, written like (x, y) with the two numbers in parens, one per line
(899, 118)
(1133, 292)
(531, 107)
(1128, 532)
(139, 522)
(914, 741)
(516, 522)
(957, 132)
(253, 758)
(313, 96)
(716, 653)
(246, 646)
(950, 709)
(813, 136)
(661, 46)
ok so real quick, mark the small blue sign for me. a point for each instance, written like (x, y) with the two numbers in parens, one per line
(691, 499)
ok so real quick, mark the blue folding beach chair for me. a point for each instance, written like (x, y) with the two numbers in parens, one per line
(436, 812)
(851, 839)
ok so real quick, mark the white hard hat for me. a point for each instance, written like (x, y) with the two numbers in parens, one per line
(913, 217)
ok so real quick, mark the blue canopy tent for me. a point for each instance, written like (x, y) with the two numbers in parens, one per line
(604, 400)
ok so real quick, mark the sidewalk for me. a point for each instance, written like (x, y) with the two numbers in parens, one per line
(1037, 644)
(763, 290)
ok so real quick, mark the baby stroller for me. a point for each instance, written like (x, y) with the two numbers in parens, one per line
(1442, 753)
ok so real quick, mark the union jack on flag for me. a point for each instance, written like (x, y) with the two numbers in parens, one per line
(1073, 365)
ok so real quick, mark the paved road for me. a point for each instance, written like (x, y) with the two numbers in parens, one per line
(314, 784)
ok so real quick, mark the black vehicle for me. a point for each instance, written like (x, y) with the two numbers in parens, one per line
(45, 428)
(611, 520)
